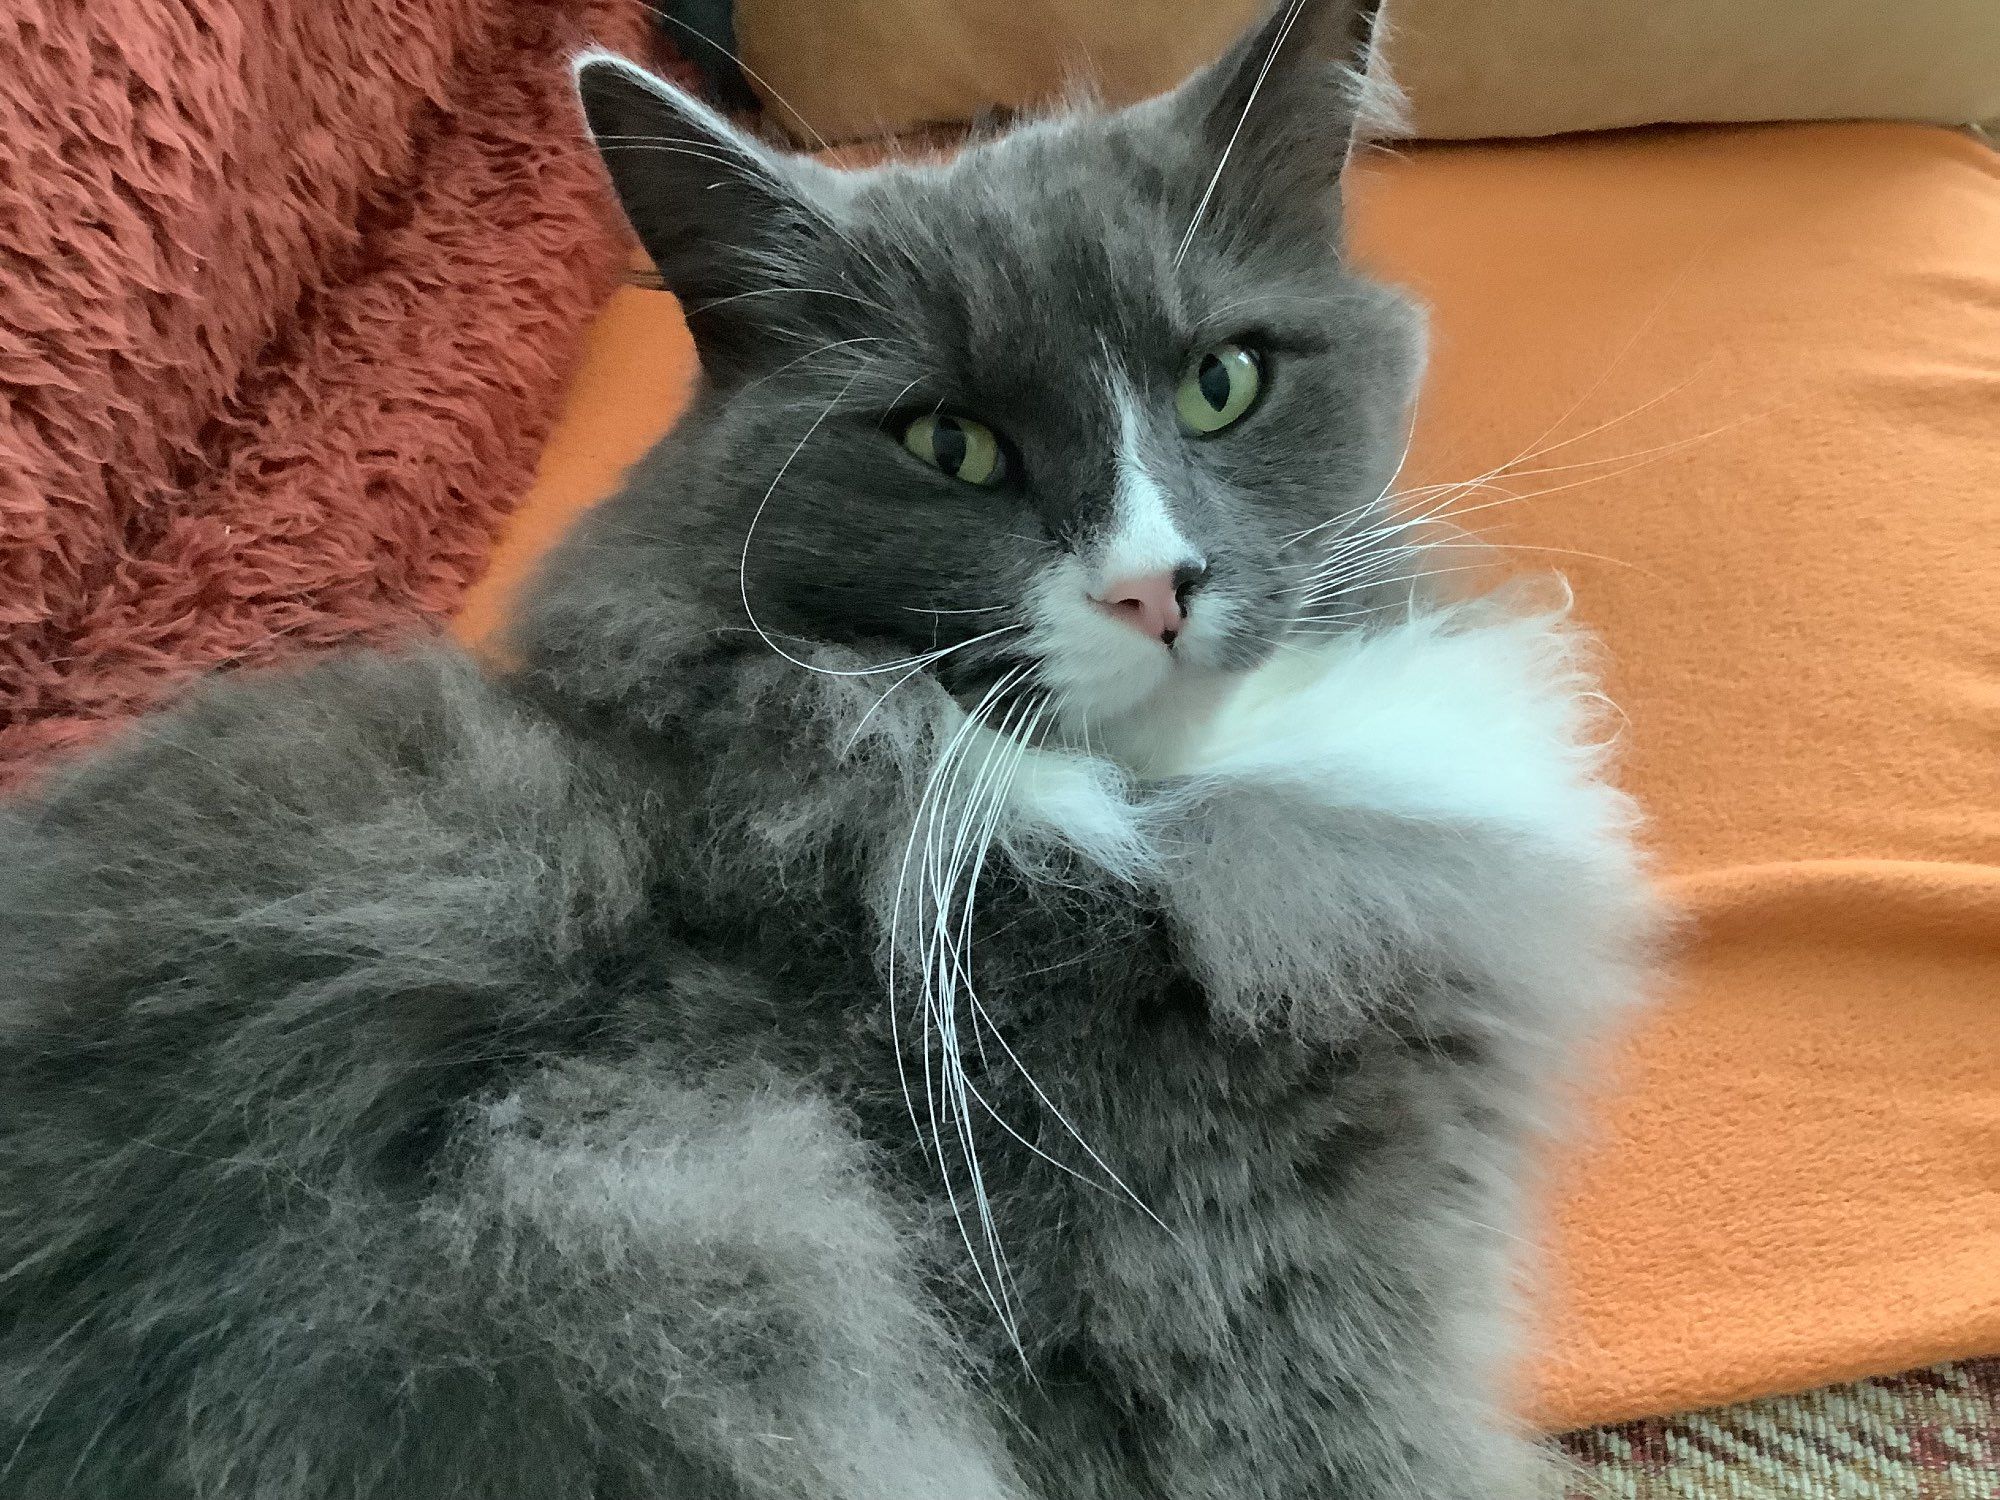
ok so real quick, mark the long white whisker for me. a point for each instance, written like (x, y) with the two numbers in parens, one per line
(1629, 463)
(1201, 208)
(1327, 598)
(982, 1015)
(932, 788)
(1625, 349)
(1509, 468)
(743, 561)
(1535, 450)
(666, 147)
(971, 811)
(939, 1008)
(954, 972)
(809, 354)
(1554, 489)
(1478, 541)
(787, 291)
(1409, 439)
(928, 659)
(749, 72)
(1064, 1120)
(1061, 1166)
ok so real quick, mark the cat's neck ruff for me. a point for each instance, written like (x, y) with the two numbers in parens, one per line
(1462, 712)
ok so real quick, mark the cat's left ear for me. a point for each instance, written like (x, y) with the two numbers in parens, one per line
(1270, 124)
(728, 222)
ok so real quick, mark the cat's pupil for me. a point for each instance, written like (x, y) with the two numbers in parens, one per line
(1213, 380)
(948, 445)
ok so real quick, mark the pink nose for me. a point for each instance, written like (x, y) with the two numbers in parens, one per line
(1149, 603)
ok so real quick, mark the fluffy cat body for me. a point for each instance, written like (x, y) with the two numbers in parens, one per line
(707, 1061)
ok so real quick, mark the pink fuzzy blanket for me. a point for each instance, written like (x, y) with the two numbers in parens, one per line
(289, 290)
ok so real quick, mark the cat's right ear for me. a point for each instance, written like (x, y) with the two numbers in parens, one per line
(726, 220)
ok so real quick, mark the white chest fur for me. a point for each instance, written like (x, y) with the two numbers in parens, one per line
(1469, 713)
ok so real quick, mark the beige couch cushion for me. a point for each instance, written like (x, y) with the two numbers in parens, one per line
(855, 68)
(1539, 67)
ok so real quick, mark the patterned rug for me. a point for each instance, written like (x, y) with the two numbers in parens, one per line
(1929, 1435)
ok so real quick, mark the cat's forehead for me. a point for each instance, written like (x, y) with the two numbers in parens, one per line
(1070, 168)
(1058, 241)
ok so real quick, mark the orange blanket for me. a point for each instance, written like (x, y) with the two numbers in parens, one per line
(1781, 343)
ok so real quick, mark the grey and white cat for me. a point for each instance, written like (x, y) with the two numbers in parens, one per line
(1000, 939)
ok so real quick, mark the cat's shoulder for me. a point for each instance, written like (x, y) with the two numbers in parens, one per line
(346, 738)
(368, 804)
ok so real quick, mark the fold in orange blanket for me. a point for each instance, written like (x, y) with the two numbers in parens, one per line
(288, 293)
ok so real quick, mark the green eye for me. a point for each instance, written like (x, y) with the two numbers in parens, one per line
(958, 446)
(1219, 386)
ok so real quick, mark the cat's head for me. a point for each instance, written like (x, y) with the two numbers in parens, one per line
(1066, 401)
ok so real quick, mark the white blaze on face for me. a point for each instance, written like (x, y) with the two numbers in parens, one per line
(1100, 667)
(1143, 537)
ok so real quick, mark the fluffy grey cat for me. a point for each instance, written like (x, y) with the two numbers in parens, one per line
(1000, 937)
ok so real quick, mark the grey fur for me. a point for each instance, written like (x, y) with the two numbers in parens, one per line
(416, 1082)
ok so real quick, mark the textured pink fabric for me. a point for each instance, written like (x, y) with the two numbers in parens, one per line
(288, 293)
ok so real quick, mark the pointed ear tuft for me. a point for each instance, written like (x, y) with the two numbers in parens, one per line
(722, 215)
(1272, 120)
(1307, 48)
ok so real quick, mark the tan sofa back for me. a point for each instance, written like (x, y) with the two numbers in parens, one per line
(1471, 68)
